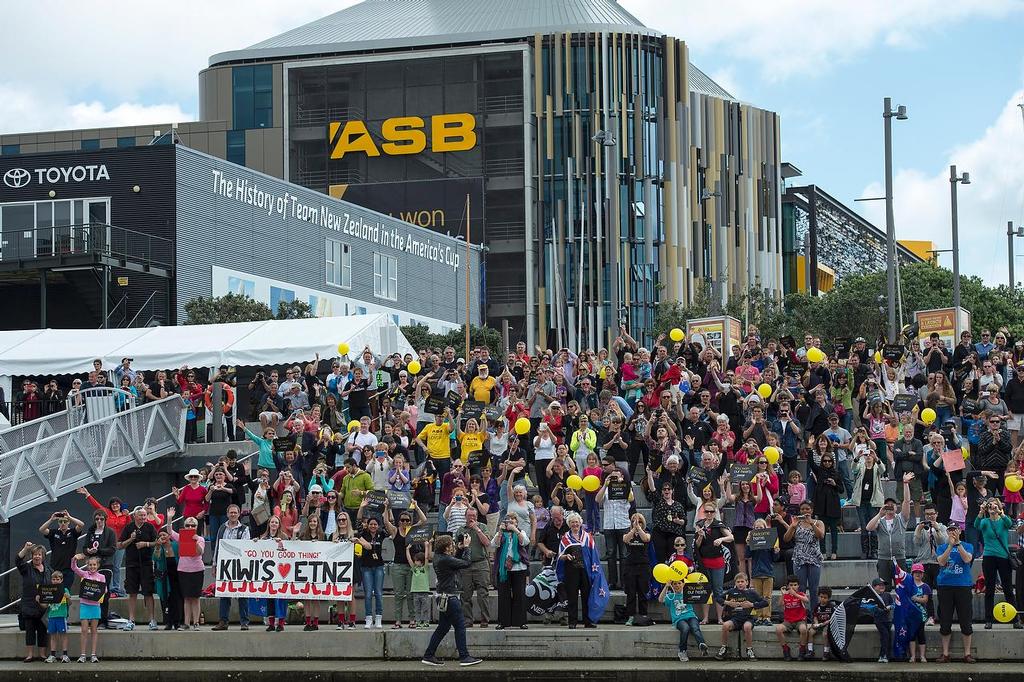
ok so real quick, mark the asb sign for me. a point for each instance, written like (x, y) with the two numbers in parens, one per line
(403, 135)
(16, 178)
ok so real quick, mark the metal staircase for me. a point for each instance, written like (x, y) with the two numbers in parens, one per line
(105, 433)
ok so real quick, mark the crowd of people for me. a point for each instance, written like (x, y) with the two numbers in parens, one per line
(922, 445)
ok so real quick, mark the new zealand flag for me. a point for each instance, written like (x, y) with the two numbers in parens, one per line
(590, 559)
(907, 617)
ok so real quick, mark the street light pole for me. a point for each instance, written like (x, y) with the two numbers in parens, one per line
(964, 178)
(888, 113)
(1010, 234)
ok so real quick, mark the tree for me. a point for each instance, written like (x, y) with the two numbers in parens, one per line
(420, 336)
(857, 306)
(239, 308)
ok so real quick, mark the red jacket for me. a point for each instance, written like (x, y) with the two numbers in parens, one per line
(115, 521)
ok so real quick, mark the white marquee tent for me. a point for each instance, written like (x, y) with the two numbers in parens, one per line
(53, 352)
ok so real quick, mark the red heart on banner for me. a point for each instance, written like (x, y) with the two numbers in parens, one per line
(284, 569)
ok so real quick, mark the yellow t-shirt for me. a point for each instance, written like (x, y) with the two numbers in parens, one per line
(470, 442)
(438, 440)
(481, 388)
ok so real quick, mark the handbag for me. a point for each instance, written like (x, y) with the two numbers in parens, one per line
(1013, 558)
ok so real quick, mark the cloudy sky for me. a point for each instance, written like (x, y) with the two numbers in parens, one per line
(824, 66)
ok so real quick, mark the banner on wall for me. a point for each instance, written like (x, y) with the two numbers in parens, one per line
(264, 569)
(948, 323)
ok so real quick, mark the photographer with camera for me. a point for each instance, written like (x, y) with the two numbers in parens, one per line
(891, 529)
(63, 542)
(928, 535)
(449, 563)
(994, 527)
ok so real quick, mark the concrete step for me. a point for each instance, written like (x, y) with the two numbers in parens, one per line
(607, 642)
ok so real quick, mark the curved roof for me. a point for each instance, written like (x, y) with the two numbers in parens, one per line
(387, 24)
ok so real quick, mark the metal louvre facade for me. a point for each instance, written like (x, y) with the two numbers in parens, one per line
(663, 186)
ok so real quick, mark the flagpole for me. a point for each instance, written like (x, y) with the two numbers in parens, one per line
(467, 278)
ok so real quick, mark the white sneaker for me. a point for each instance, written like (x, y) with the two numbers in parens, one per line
(683, 657)
(51, 659)
(65, 659)
(369, 622)
(82, 659)
(130, 625)
(153, 625)
(378, 622)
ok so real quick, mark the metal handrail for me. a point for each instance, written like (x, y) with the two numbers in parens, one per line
(65, 461)
(91, 239)
(143, 307)
(122, 305)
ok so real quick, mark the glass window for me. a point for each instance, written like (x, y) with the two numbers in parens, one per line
(10, 149)
(236, 146)
(90, 145)
(252, 96)
(385, 277)
(339, 264)
(125, 142)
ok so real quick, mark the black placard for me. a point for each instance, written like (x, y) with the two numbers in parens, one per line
(971, 406)
(419, 534)
(696, 593)
(618, 490)
(904, 402)
(788, 342)
(283, 444)
(453, 399)
(474, 459)
(742, 472)
(842, 347)
(92, 590)
(892, 352)
(761, 538)
(51, 594)
(400, 499)
(434, 405)
(375, 501)
(699, 477)
(493, 413)
(472, 409)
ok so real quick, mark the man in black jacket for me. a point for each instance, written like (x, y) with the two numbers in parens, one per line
(994, 452)
(1015, 402)
(448, 565)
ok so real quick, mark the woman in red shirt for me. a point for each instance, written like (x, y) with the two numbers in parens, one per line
(117, 519)
(192, 499)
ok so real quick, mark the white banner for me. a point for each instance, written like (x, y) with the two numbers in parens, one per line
(261, 569)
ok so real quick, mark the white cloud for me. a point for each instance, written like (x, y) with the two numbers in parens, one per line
(921, 199)
(796, 37)
(726, 77)
(112, 63)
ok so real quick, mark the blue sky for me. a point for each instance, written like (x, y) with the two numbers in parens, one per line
(824, 66)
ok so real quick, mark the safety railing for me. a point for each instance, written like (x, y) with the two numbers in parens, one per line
(40, 472)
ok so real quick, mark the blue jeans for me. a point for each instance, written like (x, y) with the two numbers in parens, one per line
(685, 627)
(118, 580)
(809, 576)
(215, 522)
(277, 608)
(593, 513)
(442, 522)
(243, 610)
(717, 578)
(373, 589)
(847, 476)
(448, 619)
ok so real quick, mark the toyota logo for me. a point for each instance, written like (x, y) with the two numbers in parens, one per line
(17, 178)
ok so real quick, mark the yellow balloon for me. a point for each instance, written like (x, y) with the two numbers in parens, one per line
(815, 354)
(353, 425)
(878, 357)
(522, 426)
(357, 549)
(680, 569)
(676, 334)
(591, 483)
(414, 367)
(602, 374)
(696, 577)
(1004, 612)
(765, 391)
(771, 453)
(1014, 483)
(928, 415)
(342, 348)
(574, 482)
(966, 451)
(662, 573)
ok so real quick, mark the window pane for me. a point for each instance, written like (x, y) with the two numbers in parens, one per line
(126, 142)
(90, 145)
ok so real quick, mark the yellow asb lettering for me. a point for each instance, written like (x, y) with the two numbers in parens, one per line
(354, 138)
(406, 130)
(404, 135)
(453, 132)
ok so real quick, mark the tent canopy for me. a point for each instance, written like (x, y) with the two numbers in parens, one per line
(71, 351)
